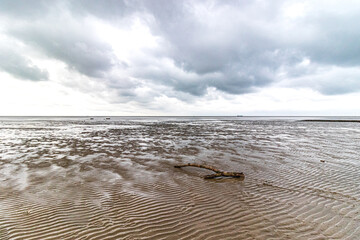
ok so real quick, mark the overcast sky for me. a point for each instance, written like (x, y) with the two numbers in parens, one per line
(172, 57)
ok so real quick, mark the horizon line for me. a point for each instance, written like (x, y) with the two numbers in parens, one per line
(179, 116)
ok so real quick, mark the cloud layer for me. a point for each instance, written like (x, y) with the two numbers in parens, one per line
(20, 66)
(143, 51)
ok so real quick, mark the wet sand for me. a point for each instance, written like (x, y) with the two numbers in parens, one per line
(116, 180)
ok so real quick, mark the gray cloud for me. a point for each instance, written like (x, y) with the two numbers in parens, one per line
(234, 46)
(328, 35)
(329, 81)
(38, 9)
(250, 43)
(222, 40)
(59, 31)
(25, 9)
(71, 43)
(21, 67)
(112, 10)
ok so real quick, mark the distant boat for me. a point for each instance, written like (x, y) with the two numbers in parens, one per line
(239, 115)
(107, 118)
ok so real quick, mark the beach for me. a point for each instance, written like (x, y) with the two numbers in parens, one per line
(99, 178)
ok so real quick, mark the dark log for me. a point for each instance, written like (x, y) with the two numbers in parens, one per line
(218, 173)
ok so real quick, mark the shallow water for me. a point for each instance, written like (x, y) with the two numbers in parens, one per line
(76, 178)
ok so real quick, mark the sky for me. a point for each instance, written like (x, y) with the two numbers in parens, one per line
(171, 57)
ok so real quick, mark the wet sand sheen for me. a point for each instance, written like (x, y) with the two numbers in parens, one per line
(81, 180)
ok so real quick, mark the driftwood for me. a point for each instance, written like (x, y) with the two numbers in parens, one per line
(218, 173)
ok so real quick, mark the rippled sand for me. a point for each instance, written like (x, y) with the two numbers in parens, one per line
(92, 179)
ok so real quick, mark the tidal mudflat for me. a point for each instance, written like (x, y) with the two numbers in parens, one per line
(114, 179)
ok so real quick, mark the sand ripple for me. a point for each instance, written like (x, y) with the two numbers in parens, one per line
(115, 180)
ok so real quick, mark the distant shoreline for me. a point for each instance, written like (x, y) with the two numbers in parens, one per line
(328, 120)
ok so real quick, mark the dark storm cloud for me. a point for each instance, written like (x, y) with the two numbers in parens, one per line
(233, 46)
(20, 67)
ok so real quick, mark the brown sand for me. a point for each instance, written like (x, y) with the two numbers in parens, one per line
(120, 183)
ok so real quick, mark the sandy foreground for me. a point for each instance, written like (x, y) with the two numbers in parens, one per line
(116, 180)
